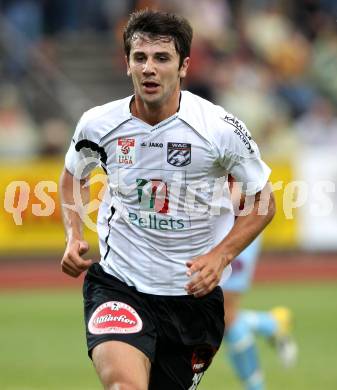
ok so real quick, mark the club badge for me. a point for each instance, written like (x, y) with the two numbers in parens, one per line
(178, 154)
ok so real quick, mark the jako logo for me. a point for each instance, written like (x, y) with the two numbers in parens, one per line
(155, 145)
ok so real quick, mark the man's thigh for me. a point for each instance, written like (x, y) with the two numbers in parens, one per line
(121, 364)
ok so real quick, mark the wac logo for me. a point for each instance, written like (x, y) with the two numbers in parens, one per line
(153, 195)
(178, 154)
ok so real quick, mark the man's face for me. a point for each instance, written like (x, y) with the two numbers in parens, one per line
(154, 68)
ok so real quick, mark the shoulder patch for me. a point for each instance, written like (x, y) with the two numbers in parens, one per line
(240, 130)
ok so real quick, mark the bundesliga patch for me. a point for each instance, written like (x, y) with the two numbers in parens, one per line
(178, 154)
(115, 317)
(125, 151)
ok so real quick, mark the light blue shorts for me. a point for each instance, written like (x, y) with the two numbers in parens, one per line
(243, 269)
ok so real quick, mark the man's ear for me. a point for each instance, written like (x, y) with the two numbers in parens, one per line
(128, 71)
(184, 67)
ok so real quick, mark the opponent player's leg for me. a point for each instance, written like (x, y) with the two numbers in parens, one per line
(241, 344)
(239, 337)
(262, 323)
(243, 324)
(121, 366)
(276, 326)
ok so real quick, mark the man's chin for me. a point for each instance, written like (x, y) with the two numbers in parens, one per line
(152, 100)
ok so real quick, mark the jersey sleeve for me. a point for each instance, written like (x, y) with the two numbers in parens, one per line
(240, 156)
(84, 154)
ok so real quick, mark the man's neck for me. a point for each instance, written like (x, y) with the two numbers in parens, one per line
(153, 114)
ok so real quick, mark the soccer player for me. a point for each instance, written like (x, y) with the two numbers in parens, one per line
(153, 309)
(242, 325)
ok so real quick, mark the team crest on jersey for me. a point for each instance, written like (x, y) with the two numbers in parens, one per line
(114, 317)
(125, 151)
(178, 154)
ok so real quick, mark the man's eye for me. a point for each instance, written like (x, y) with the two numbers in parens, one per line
(163, 58)
(139, 58)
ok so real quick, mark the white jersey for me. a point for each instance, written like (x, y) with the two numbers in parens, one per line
(169, 200)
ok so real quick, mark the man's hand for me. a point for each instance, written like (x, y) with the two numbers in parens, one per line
(207, 270)
(72, 263)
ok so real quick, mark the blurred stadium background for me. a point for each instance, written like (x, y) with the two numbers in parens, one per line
(272, 63)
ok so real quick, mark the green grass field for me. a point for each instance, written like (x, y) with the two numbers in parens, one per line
(42, 341)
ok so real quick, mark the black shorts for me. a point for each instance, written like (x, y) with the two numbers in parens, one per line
(179, 334)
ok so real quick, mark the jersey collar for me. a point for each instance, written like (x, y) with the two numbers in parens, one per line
(188, 111)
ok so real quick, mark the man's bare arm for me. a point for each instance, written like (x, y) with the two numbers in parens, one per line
(246, 228)
(72, 263)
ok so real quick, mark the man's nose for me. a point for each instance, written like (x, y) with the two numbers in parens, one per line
(149, 67)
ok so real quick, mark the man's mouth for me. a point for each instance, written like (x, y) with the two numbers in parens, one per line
(150, 86)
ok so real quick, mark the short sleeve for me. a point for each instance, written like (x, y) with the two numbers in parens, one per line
(84, 154)
(240, 156)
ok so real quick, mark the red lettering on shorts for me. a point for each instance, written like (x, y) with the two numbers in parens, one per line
(115, 317)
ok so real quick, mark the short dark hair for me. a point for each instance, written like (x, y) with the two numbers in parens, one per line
(160, 24)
